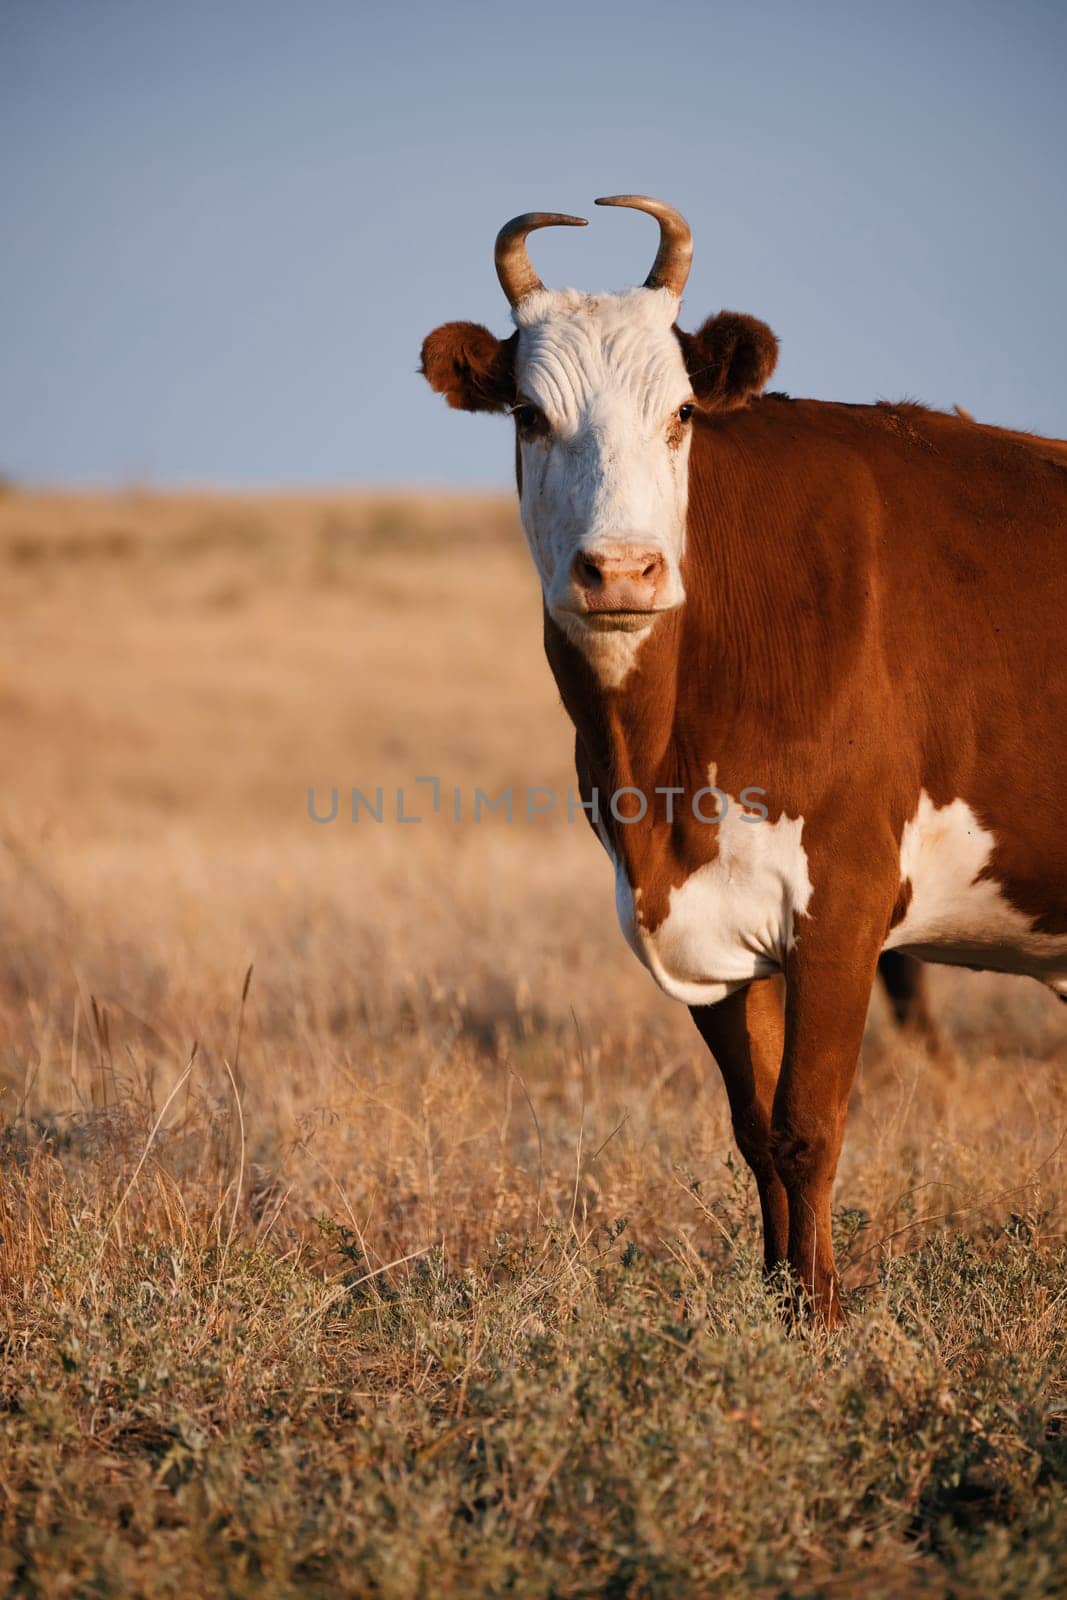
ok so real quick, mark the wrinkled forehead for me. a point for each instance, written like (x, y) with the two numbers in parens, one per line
(577, 349)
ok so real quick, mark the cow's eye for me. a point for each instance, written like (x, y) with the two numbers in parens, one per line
(528, 418)
(685, 412)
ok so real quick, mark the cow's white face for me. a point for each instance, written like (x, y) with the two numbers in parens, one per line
(602, 391)
(603, 408)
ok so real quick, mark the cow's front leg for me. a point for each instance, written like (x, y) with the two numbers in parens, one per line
(744, 1033)
(829, 974)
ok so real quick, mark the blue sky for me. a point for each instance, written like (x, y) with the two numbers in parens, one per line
(225, 227)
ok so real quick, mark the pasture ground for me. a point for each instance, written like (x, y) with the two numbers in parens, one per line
(428, 1268)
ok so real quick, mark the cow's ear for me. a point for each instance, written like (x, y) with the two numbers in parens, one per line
(729, 359)
(471, 367)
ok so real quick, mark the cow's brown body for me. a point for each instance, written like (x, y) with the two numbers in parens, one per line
(857, 613)
(876, 606)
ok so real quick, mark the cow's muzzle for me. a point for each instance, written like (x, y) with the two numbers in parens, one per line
(620, 584)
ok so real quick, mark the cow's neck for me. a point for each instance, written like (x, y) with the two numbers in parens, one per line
(764, 642)
(626, 730)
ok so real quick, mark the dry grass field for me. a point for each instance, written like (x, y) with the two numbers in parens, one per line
(420, 1263)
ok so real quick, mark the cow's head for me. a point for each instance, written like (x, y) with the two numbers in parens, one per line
(603, 389)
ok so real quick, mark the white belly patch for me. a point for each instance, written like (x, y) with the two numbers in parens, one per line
(733, 919)
(954, 917)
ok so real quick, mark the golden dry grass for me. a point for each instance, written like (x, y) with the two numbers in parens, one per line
(573, 1381)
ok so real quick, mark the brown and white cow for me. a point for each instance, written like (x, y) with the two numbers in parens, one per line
(846, 623)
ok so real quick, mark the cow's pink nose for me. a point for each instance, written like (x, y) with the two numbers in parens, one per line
(618, 576)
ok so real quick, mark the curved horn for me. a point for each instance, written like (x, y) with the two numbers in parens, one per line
(517, 276)
(675, 254)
